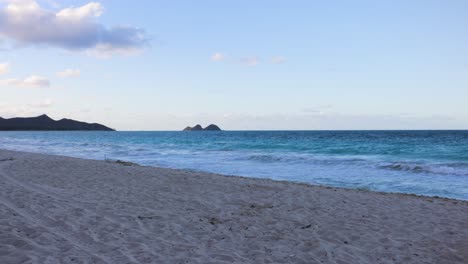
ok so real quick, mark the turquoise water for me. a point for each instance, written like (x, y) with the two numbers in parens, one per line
(431, 163)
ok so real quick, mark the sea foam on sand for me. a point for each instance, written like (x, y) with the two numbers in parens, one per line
(57, 209)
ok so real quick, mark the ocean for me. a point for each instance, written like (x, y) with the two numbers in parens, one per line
(433, 163)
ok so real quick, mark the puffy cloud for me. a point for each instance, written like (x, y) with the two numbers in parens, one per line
(4, 68)
(278, 60)
(69, 73)
(250, 61)
(74, 28)
(217, 57)
(31, 81)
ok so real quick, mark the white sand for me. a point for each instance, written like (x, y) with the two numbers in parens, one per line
(64, 210)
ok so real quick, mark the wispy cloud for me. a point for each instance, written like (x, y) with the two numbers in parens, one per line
(317, 110)
(278, 60)
(69, 73)
(250, 61)
(46, 103)
(4, 68)
(26, 109)
(32, 81)
(74, 28)
(218, 56)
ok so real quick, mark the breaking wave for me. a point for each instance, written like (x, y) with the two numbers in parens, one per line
(445, 169)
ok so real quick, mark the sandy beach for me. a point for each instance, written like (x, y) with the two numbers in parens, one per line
(57, 209)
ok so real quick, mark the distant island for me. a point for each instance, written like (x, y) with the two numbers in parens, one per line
(199, 128)
(45, 123)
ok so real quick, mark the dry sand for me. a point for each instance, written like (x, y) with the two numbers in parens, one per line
(64, 210)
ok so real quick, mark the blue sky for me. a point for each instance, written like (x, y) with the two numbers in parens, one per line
(162, 65)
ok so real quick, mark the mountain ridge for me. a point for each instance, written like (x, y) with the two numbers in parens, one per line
(45, 123)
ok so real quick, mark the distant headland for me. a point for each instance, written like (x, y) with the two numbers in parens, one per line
(199, 128)
(45, 123)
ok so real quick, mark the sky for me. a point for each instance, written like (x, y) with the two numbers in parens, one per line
(244, 65)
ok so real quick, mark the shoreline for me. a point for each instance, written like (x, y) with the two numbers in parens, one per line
(131, 163)
(368, 160)
(94, 211)
(312, 185)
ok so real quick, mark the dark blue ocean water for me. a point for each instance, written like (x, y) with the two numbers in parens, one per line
(431, 163)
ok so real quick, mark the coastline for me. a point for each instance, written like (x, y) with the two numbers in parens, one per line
(71, 210)
(312, 157)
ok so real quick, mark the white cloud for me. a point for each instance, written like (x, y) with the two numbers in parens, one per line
(69, 73)
(74, 28)
(36, 81)
(278, 60)
(29, 82)
(90, 10)
(250, 61)
(217, 57)
(4, 68)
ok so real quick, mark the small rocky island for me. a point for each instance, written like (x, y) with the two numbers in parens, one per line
(45, 123)
(211, 127)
